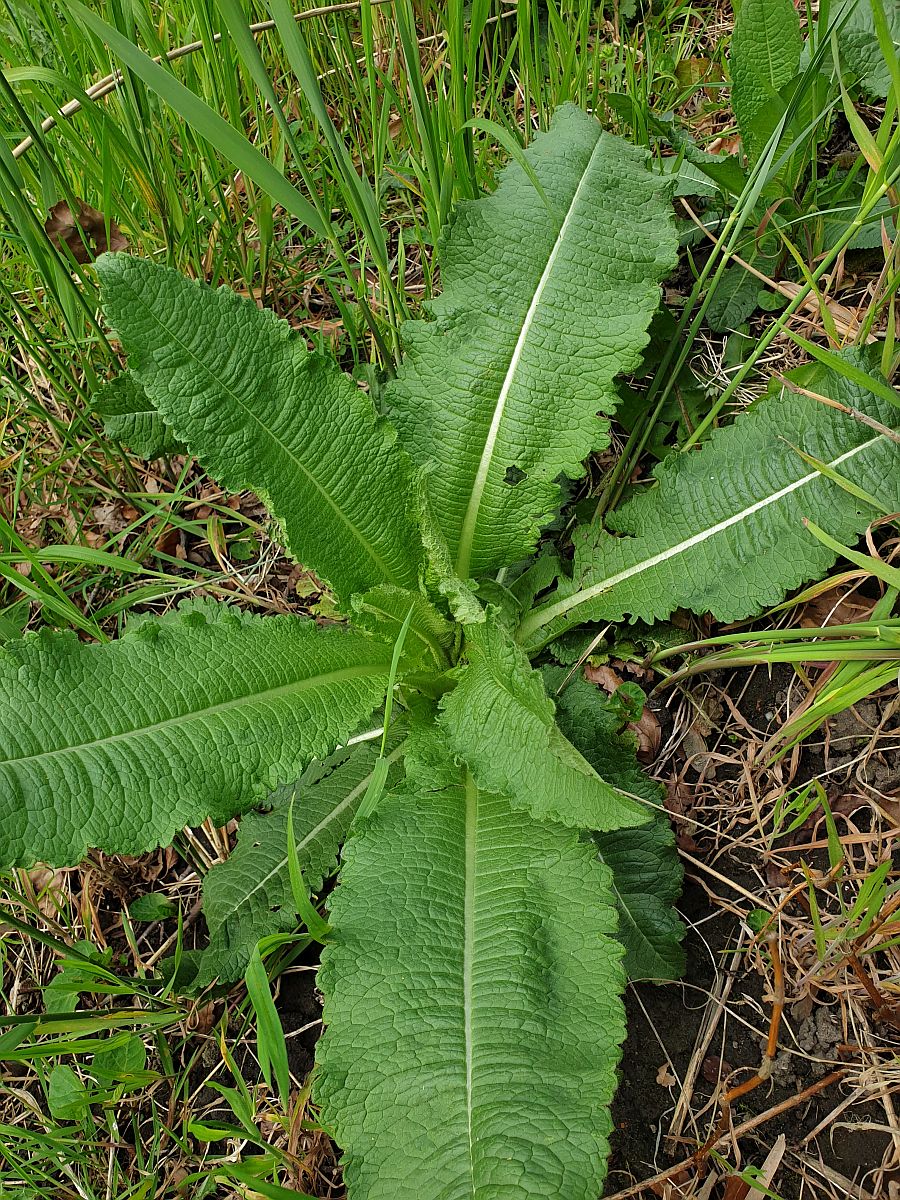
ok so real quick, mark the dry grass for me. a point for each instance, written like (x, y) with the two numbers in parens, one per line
(841, 1019)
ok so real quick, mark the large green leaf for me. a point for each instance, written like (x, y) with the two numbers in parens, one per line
(241, 390)
(860, 53)
(199, 714)
(723, 531)
(646, 870)
(541, 309)
(472, 1005)
(129, 417)
(499, 721)
(249, 896)
(765, 54)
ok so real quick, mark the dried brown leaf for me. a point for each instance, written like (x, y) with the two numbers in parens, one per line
(84, 231)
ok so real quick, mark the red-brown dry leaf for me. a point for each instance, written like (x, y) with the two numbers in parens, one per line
(680, 797)
(832, 609)
(604, 677)
(83, 231)
(847, 803)
(776, 877)
(735, 1188)
(714, 1068)
(725, 145)
(168, 541)
(201, 1018)
(648, 735)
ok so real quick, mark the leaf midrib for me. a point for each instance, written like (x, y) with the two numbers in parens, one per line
(386, 572)
(354, 672)
(471, 858)
(549, 612)
(470, 520)
(624, 908)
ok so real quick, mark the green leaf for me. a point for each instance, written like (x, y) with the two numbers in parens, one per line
(499, 721)
(120, 1063)
(834, 225)
(472, 1004)
(67, 1096)
(440, 575)
(646, 870)
(538, 315)
(249, 897)
(130, 418)
(722, 531)
(765, 54)
(860, 54)
(243, 1172)
(154, 906)
(733, 300)
(271, 1048)
(198, 714)
(240, 389)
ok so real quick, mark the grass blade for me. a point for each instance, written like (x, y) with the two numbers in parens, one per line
(233, 145)
(270, 1043)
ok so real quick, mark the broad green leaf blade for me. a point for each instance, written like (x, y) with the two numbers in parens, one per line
(540, 312)
(646, 870)
(499, 721)
(765, 54)
(472, 1004)
(261, 412)
(723, 531)
(198, 714)
(384, 609)
(249, 896)
(860, 54)
(733, 300)
(647, 878)
(130, 418)
(439, 575)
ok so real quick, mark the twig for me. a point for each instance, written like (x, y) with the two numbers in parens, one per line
(715, 1009)
(844, 408)
(785, 1106)
(884, 1010)
(766, 1066)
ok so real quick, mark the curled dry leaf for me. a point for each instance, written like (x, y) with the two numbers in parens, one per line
(47, 883)
(84, 231)
(604, 677)
(648, 735)
(664, 1076)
